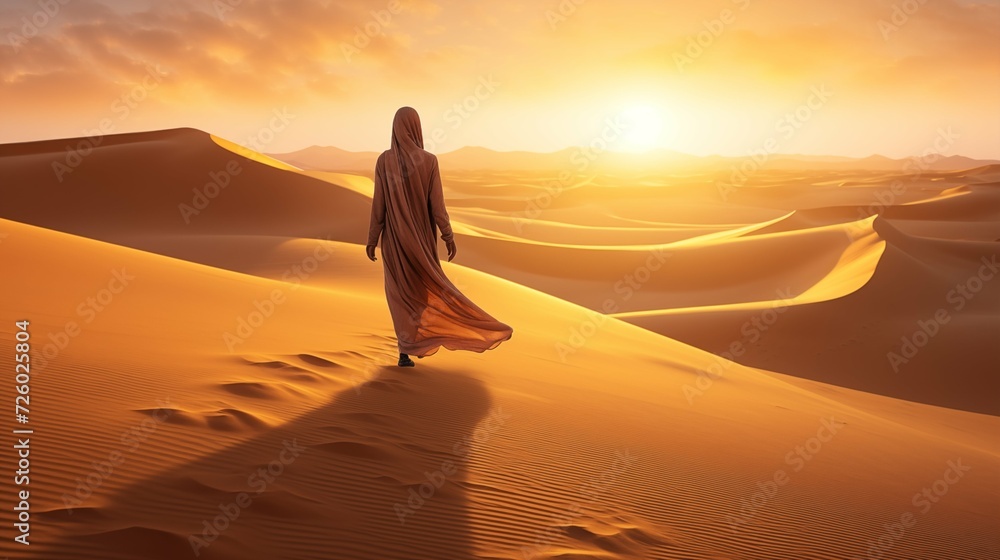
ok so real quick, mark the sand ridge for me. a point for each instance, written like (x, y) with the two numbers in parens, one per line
(260, 340)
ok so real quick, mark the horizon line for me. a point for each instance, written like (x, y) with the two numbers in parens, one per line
(750, 153)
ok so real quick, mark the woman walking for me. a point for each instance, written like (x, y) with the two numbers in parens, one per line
(427, 310)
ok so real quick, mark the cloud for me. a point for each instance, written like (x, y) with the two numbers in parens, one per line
(242, 53)
(232, 56)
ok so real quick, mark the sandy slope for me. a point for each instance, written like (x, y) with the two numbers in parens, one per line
(582, 437)
(175, 181)
(664, 252)
(565, 456)
(923, 328)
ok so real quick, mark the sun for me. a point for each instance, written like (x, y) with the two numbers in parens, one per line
(643, 128)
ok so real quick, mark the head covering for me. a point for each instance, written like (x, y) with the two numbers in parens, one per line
(407, 144)
(406, 132)
(427, 310)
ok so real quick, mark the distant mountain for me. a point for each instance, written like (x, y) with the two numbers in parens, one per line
(474, 157)
(877, 163)
(329, 158)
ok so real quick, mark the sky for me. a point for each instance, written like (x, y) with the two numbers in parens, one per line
(729, 77)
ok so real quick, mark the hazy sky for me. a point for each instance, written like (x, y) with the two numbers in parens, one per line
(844, 77)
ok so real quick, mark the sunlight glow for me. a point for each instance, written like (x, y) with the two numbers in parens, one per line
(643, 128)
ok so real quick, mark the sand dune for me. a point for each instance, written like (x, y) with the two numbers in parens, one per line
(193, 355)
(177, 181)
(693, 266)
(913, 290)
(632, 469)
(329, 158)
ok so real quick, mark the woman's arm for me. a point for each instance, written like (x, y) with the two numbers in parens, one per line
(377, 223)
(438, 211)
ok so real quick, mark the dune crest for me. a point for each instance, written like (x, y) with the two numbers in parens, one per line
(190, 356)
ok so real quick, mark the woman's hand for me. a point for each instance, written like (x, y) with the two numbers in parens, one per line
(370, 251)
(452, 249)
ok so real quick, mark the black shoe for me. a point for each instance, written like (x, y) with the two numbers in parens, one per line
(405, 361)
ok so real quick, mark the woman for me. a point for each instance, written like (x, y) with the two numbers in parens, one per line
(428, 312)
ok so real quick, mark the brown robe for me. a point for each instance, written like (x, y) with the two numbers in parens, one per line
(408, 208)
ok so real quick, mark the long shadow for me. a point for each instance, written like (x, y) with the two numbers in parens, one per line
(376, 473)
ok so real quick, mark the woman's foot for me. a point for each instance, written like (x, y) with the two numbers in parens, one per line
(405, 361)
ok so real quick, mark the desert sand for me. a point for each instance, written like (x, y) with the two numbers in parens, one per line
(220, 383)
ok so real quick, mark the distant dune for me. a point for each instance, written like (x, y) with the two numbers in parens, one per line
(189, 351)
(329, 158)
(171, 182)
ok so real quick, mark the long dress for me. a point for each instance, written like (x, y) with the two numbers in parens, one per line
(427, 310)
